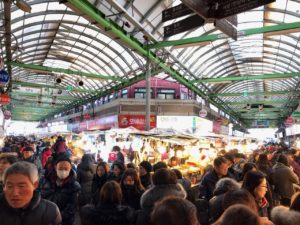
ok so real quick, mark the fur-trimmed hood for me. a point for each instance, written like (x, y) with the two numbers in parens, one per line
(281, 215)
(159, 192)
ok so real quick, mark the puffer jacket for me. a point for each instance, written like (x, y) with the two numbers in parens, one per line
(39, 212)
(65, 195)
(283, 178)
(85, 174)
(155, 194)
(107, 215)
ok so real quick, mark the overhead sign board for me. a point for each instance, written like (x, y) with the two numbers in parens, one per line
(183, 25)
(175, 12)
(219, 9)
(201, 7)
(228, 26)
(227, 8)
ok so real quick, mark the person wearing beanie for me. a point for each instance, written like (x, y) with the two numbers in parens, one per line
(284, 179)
(29, 156)
(145, 169)
(5, 162)
(62, 189)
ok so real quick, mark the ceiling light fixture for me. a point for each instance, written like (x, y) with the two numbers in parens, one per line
(24, 6)
(80, 83)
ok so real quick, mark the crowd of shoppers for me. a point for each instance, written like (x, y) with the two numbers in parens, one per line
(40, 184)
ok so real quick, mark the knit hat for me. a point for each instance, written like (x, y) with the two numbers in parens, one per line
(63, 158)
(28, 149)
(147, 166)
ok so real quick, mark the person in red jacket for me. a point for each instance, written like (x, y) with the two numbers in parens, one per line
(46, 153)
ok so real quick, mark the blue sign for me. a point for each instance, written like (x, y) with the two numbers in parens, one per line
(4, 77)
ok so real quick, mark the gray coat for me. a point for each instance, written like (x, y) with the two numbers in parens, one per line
(155, 194)
(283, 178)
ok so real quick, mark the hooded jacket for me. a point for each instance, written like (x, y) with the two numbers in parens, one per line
(39, 212)
(85, 173)
(283, 179)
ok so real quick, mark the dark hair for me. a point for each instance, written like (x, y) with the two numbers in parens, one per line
(111, 193)
(159, 165)
(227, 156)
(219, 161)
(164, 176)
(240, 155)
(174, 211)
(178, 173)
(295, 205)
(104, 165)
(239, 196)
(116, 148)
(9, 158)
(248, 167)
(252, 180)
(283, 159)
(120, 165)
(131, 165)
(132, 173)
(239, 215)
(262, 159)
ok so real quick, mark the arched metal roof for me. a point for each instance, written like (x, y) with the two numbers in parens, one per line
(61, 39)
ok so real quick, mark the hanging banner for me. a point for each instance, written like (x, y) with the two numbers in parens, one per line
(136, 121)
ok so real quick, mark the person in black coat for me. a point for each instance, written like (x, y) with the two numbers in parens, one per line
(85, 173)
(100, 178)
(145, 169)
(210, 179)
(132, 189)
(109, 211)
(25, 206)
(63, 189)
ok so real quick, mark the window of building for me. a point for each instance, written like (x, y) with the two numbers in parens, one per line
(166, 94)
(124, 93)
(140, 93)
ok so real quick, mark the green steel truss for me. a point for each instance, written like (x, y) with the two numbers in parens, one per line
(65, 71)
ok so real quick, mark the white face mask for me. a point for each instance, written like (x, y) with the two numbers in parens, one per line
(62, 174)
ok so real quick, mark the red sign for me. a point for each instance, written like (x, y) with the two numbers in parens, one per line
(4, 99)
(137, 121)
(290, 121)
(87, 116)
